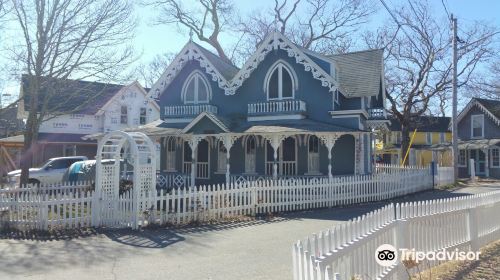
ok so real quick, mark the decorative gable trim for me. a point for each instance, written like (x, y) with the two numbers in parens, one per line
(189, 52)
(275, 41)
(200, 117)
(469, 106)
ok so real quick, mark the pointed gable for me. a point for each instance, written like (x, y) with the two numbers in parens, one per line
(275, 41)
(205, 123)
(216, 68)
(490, 107)
(359, 73)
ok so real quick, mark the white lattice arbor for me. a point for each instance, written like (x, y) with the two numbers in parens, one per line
(117, 151)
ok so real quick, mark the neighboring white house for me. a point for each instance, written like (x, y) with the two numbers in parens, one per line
(95, 108)
(129, 107)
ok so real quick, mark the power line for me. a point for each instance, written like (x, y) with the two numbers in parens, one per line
(400, 26)
(445, 9)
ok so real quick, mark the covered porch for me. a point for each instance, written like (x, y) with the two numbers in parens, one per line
(484, 152)
(263, 151)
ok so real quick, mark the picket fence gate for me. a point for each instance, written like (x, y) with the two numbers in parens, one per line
(78, 205)
(347, 250)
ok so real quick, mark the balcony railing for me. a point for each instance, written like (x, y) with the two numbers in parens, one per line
(282, 106)
(376, 113)
(189, 110)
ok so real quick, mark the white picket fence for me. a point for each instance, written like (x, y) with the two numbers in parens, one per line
(444, 176)
(36, 208)
(347, 250)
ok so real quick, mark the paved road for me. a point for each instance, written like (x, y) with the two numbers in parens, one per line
(246, 250)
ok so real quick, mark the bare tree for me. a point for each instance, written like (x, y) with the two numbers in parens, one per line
(419, 64)
(486, 85)
(66, 39)
(325, 26)
(149, 73)
(207, 19)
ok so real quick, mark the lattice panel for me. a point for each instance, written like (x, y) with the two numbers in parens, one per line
(108, 184)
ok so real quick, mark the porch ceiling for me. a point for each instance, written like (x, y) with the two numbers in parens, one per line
(293, 126)
(162, 129)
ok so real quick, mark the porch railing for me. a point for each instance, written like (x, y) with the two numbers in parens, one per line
(286, 168)
(243, 178)
(172, 180)
(202, 169)
(376, 113)
(283, 106)
(189, 110)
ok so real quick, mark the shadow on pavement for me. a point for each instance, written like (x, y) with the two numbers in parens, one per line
(155, 238)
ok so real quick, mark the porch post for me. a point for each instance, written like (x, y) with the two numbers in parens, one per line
(329, 141)
(193, 144)
(486, 162)
(275, 141)
(228, 141)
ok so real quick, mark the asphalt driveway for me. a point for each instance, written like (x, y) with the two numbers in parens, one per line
(259, 249)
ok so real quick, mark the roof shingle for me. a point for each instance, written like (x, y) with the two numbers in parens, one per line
(71, 96)
(491, 105)
(360, 73)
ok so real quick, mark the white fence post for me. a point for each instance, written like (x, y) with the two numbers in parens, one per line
(472, 231)
(472, 169)
(401, 234)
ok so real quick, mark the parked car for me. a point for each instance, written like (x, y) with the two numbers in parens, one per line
(50, 172)
(86, 171)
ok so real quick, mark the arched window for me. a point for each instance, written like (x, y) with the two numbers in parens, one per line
(196, 89)
(170, 154)
(221, 157)
(280, 82)
(250, 154)
(313, 155)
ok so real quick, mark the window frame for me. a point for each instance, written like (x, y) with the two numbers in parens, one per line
(472, 117)
(143, 117)
(464, 164)
(124, 116)
(221, 158)
(279, 66)
(196, 77)
(250, 169)
(310, 154)
(442, 137)
(171, 143)
(428, 138)
(492, 165)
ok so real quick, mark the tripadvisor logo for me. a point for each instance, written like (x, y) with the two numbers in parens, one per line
(387, 255)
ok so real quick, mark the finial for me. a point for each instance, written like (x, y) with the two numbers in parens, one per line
(275, 23)
(190, 35)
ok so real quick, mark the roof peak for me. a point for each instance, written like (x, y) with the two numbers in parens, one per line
(23, 76)
(356, 52)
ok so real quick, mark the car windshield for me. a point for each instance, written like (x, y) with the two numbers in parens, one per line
(44, 164)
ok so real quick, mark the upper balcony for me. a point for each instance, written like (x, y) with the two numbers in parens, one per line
(293, 109)
(376, 114)
(188, 110)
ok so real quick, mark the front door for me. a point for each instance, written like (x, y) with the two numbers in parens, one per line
(479, 158)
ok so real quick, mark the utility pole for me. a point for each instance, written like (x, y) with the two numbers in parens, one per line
(454, 131)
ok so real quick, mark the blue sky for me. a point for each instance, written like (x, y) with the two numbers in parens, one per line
(153, 39)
